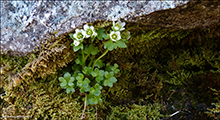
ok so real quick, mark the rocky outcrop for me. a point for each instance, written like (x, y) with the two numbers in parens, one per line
(24, 23)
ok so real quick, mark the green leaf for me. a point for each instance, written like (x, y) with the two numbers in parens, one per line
(85, 84)
(76, 48)
(112, 79)
(96, 71)
(101, 34)
(76, 67)
(61, 79)
(68, 90)
(109, 74)
(71, 36)
(107, 44)
(63, 84)
(87, 70)
(115, 65)
(100, 87)
(108, 67)
(86, 51)
(121, 44)
(79, 83)
(94, 74)
(82, 90)
(108, 83)
(110, 45)
(99, 64)
(105, 36)
(91, 49)
(116, 71)
(87, 80)
(67, 76)
(94, 51)
(114, 46)
(100, 100)
(80, 76)
(93, 38)
(93, 101)
(114, 68)
(96, 86)
(72, 89)
(99, 78)
(79, 60)
(70, 83)
(92, 90)
(87, 89)
(97, 92)
(101, 73)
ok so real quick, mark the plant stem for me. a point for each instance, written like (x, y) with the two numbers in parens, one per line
(84, 115)
(106, 51)
(83, 65)
(91, 61)
(87, 56)
(96, 112)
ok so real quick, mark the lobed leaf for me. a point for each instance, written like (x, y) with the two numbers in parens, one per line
(63, 84)
(99, 64)
(80, 77)
(121, 44)
(67, 76)
(101, 34)
(76, 48)
(71, 36)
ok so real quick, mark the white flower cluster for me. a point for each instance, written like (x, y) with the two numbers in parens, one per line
(88, 31)
(81, 34)
(117, 27)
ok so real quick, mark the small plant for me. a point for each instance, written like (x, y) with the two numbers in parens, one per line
(90, 73)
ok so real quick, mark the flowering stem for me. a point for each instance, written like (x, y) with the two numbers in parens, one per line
(91, 61)
(83, 57)
(100, 58)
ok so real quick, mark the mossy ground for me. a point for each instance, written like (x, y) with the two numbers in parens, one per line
(162, 71)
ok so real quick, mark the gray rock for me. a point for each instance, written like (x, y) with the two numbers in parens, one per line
(24, 23)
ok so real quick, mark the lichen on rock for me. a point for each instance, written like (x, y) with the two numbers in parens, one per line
(24, 23)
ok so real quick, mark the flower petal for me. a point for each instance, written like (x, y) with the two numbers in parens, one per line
(75, 36)
(86, 27)
(76, 42)
(92, 28)
(77, 30)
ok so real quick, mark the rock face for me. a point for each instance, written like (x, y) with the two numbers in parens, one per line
(24, 23)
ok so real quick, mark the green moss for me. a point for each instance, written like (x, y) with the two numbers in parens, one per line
(159, 66)
(8, 66)
(215, 112)
(135, 112)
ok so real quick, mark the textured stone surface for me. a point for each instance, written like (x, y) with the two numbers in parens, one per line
(24, 23)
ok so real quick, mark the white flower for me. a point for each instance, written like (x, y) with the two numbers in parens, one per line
(89, 31)
(79, 35)
(76, 42)
(119, 26)
(115, 35)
